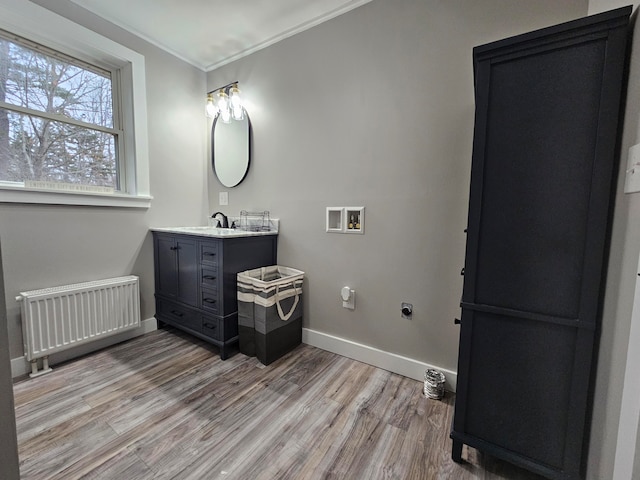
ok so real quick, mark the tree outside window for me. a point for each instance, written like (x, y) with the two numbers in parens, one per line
(57, 121)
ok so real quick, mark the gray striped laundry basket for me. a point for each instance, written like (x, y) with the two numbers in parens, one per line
(269, 311)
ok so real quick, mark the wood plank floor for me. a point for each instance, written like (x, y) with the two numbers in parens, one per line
(164, 406)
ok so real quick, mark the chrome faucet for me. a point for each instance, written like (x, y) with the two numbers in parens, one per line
(225, 220)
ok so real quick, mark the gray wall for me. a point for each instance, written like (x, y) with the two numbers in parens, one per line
(372, 108)
(623, 261)
(9, 469)
(53, 245)
(375, 108)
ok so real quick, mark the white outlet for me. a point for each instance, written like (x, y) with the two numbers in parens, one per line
(348, 296)
(632, 178)
(223, 198)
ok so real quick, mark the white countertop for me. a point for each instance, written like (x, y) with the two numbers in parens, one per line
(213, 232)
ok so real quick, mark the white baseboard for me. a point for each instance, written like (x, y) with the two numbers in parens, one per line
(378, 358)
(363, 353)
(20, 366)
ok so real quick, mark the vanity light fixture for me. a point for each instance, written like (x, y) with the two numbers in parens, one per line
(226, 102)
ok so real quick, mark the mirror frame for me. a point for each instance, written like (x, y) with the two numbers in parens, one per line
(249, 149)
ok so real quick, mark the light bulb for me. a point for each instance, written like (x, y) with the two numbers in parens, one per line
(225, 115)
(238, 113)
(236, 101)
(222, 101)
(211, 108)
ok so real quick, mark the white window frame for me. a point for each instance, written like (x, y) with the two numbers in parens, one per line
(127, 68)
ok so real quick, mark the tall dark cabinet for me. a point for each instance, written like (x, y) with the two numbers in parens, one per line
(542, 179)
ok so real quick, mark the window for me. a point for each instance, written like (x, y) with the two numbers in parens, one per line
(56, 119)
(72, 113)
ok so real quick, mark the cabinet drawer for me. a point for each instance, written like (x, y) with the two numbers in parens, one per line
(209, 300)
(211, 328)
(209, 254)
(179, 315)
(209, 278)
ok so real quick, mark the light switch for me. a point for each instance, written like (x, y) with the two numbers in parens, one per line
(223, 198)
(632, 178)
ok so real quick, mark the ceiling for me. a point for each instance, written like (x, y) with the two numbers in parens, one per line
(211, 33)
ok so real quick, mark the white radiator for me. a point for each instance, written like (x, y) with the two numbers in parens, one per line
(58, 318)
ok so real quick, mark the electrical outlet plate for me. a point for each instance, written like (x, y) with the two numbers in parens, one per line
(223, 198)
(350, 303)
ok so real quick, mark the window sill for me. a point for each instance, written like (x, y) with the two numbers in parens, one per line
(52, 197)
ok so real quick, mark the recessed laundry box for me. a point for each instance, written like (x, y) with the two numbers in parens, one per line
(269, 311)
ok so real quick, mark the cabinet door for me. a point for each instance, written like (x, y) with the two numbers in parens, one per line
(187, 270)
(176, 268)
(544, 154)
(166, 266)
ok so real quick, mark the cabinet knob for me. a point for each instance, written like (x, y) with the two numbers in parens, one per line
(456, 321)
(177, 314)
(209, 300)
(462, 271)
(209, 277)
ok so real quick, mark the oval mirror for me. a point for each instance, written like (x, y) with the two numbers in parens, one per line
(230, 148)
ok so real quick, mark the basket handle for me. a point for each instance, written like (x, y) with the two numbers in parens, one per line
(295, 303)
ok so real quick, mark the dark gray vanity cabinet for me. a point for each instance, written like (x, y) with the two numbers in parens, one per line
(195, 281)
(542, 181)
